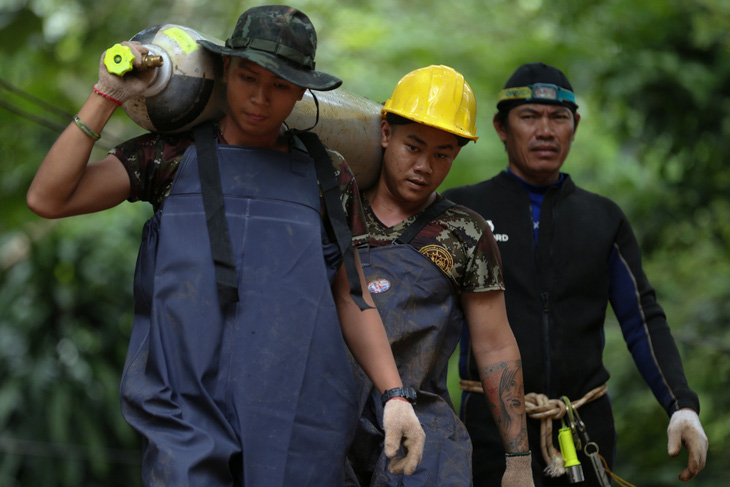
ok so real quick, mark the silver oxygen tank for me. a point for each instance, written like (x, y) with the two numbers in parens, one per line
(348, 124)
(187, 89)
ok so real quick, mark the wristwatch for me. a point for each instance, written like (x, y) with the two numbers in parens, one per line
(408, 393)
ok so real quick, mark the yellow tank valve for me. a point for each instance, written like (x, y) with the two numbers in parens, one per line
(567, 449)
(119, 59)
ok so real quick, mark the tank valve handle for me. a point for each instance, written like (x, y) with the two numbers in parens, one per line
(119, 60)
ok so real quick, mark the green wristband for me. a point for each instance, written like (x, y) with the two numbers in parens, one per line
(85, 128)
(519, 454)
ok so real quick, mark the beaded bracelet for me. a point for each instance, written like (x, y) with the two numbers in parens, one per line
(85, 128)
(108, 97)
(518, 454)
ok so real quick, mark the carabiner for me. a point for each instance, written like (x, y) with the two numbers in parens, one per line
(597, 465)
(574, 426)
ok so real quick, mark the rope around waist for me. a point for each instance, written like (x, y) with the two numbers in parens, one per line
(539, 406)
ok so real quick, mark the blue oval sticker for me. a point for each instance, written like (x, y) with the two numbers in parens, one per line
(379, 286)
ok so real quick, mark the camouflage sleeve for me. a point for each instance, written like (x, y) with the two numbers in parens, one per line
(483, 267)
(351, 201)
(151, 161)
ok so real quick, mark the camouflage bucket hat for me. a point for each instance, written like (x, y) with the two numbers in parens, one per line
(281, 39)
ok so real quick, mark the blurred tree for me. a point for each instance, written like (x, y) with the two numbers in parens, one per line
(65, 315)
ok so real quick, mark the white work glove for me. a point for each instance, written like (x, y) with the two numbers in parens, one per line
(402, 427)
(518, 472)
(685, 428)
(133, 83)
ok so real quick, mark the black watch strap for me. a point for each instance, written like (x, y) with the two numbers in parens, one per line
(409, 393)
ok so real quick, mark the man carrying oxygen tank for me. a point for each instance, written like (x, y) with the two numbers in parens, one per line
(431, 266)
(237, 371)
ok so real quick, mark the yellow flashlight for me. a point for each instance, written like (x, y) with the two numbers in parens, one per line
(567, 449)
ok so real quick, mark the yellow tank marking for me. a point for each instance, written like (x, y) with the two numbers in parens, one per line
(186, 43)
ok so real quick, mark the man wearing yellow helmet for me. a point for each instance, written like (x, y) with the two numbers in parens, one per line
(431, 266)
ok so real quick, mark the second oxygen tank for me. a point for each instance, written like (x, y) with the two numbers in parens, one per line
(188, 89)
(348, 124)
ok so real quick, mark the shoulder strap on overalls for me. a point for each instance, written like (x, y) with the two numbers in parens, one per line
(336, 214)
(215, 215)
(428, 215)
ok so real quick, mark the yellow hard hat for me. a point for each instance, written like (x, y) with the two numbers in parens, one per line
(437, 96)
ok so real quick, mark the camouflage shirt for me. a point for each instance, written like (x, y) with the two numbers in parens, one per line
(152, 159)
(459, 242)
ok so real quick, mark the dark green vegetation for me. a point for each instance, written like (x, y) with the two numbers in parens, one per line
(653, 84)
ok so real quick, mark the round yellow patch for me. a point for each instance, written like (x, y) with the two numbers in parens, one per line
(439, 256)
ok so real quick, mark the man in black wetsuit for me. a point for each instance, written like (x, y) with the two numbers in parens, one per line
(566, 254)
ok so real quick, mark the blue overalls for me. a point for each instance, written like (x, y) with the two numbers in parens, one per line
(423, 318)
(256, 393)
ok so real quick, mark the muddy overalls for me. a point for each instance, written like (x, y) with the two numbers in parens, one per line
(423, 318)
(255, 393)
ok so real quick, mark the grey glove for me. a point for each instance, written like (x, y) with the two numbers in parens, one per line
(402, 427)
(518, 472)
(133, 83)
(685, 428)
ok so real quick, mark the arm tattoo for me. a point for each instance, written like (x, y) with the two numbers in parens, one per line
(504, 389)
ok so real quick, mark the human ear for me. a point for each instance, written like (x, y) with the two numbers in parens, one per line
(226, 66)
(576, 119)
(385, 132)
(500, 127)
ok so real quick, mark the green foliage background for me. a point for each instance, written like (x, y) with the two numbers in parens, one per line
(653, 84)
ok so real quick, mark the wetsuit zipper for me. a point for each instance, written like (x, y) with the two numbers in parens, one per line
(546, 342)
(546, 271)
